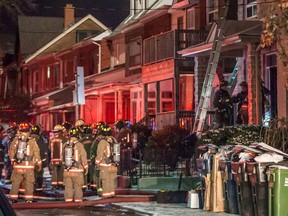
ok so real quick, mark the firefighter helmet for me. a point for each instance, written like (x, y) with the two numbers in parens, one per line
(87, 129)
(244, 83)
(58, 128)
(24, 127)
(105, 130)
(74, 132)
(119, 124)
(36, 129)
(79, 123)
(224, 83)
(67, 125)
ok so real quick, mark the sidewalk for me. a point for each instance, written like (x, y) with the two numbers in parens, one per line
(157, 209)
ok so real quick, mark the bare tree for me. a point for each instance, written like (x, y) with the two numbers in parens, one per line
(18, 6)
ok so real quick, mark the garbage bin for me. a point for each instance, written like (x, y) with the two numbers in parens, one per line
(244, 191)
(278, 190)
(259, 185)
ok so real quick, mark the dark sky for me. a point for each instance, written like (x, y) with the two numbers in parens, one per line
(109, 12)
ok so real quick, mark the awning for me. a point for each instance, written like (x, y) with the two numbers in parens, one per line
(62, 97)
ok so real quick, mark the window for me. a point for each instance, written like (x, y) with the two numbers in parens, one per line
(93, 62)
(35, 81)
(180, 23)
(251, 9)
(82, 34)
(151, 104)
(119, 53)
(191, 19)
(166, 96)
(186, 92)
(135, 52)
(212, 10)
(56, 75)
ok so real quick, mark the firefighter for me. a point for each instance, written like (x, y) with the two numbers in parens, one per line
(123, 132)
(56, 145)
(79, 124)
(75, 165)
(105, 160)
(43, 147)
(67, 126)
(24, 154)
(86, 138)
(95, 183)
(241, 99)
(223, 106)
(11, 133)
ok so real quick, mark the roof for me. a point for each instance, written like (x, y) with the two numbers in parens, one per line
(234, 31)
(134, 18)
(65, 32)
(40, 30)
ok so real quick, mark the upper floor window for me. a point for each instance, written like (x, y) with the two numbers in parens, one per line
(212, 10)
(251, 9)
(191, 19)
(82, 34)
(35, 81)
(135, 52)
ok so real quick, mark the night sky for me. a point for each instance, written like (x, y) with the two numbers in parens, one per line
(109, 12)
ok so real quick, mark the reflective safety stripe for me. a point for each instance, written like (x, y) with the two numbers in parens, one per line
(103, 164)
(56, 159)
(13, 196)
(28, 196)
(24, 167)
(74, 170)
(78, 200)
(108, 194)
(68, 200)
(54, 183)
(61, 183)
(97, 161)
(86, 166)
(22, 190)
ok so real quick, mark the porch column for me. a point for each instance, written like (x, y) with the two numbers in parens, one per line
(253, 84)
(100, 108)
(116, 106)
(120, 105)
(200, 67)
(63, 116)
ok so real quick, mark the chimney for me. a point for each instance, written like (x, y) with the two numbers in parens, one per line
(68, 15)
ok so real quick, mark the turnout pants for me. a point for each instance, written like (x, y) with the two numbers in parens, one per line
(73, 186)
(107, 177)
(57, 174)
(18, 176)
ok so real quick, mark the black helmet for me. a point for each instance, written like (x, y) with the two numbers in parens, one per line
(244, 83)
(87, 129)
(106, 130)
(24, 127)
(74, 132)
(224, 83)
(119, 124)
(36, 129)
(67, 125)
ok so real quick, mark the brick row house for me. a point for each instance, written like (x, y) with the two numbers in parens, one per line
(152, 66)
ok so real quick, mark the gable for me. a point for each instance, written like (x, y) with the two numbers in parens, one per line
(69, 37)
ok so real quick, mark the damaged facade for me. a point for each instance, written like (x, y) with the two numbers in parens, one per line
(152, 66)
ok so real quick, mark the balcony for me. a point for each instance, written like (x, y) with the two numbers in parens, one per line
(166, 45)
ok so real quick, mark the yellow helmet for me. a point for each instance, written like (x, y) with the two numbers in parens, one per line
(79, 123)
(58, 128)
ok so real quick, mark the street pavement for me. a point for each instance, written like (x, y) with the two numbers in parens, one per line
(157, 209)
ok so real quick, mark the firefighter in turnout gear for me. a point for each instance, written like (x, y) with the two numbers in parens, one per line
(56, 145)
(43, 147)
(105, 161)
(24, 155)
(86, 138)
(123, 132)
(66, 126)
(2, 153)
(95, 183)
(75, 165)
(11, 133)
(223, 106)
(241, 99)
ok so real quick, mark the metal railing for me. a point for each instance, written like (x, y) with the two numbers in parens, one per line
(166, 45)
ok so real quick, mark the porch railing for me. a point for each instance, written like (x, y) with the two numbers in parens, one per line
(166, 45)
(186, 119)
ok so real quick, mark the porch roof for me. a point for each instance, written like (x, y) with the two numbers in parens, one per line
(236, 34)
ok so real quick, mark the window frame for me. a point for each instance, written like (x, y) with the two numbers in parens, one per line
(248, 6)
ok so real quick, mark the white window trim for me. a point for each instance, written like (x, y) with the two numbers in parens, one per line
(193, 21)
(216, 11)
(250, 5)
